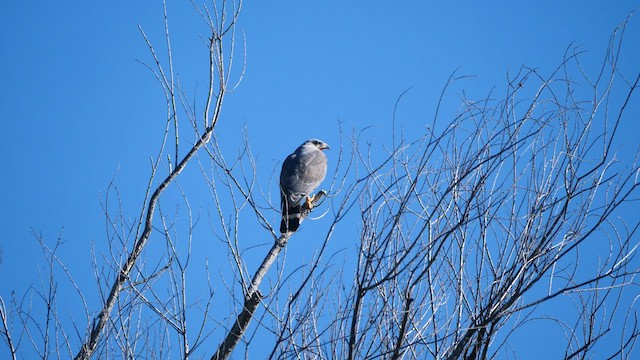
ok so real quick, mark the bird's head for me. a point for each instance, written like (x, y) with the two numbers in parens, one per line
(321, 145)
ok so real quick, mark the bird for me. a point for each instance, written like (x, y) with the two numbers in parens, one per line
(302, 172)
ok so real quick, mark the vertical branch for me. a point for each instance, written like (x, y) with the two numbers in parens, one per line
(252, 297)
(5, 331)
(173, 111)
(251, 300)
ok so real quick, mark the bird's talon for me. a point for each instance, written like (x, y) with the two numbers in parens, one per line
(309, 201)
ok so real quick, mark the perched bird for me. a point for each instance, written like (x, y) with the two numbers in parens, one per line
(301, 173)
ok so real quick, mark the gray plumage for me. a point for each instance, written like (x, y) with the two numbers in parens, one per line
(301, 173)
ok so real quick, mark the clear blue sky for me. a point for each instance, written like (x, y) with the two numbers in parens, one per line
(77, 107)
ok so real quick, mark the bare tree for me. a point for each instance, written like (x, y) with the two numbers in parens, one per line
(468, 232)
(221, 22)
(465, 235)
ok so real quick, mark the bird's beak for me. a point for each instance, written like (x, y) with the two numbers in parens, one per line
(325, 147)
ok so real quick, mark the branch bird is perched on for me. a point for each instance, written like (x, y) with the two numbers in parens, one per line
(301, 173)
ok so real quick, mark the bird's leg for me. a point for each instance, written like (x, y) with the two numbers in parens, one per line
(309, 201)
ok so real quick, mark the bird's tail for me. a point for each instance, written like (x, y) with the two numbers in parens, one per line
(290, 218)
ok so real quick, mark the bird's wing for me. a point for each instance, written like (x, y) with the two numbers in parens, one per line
(314, 170)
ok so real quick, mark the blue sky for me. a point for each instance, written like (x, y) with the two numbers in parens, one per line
(78, 108)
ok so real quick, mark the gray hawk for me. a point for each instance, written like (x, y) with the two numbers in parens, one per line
(301, 173)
